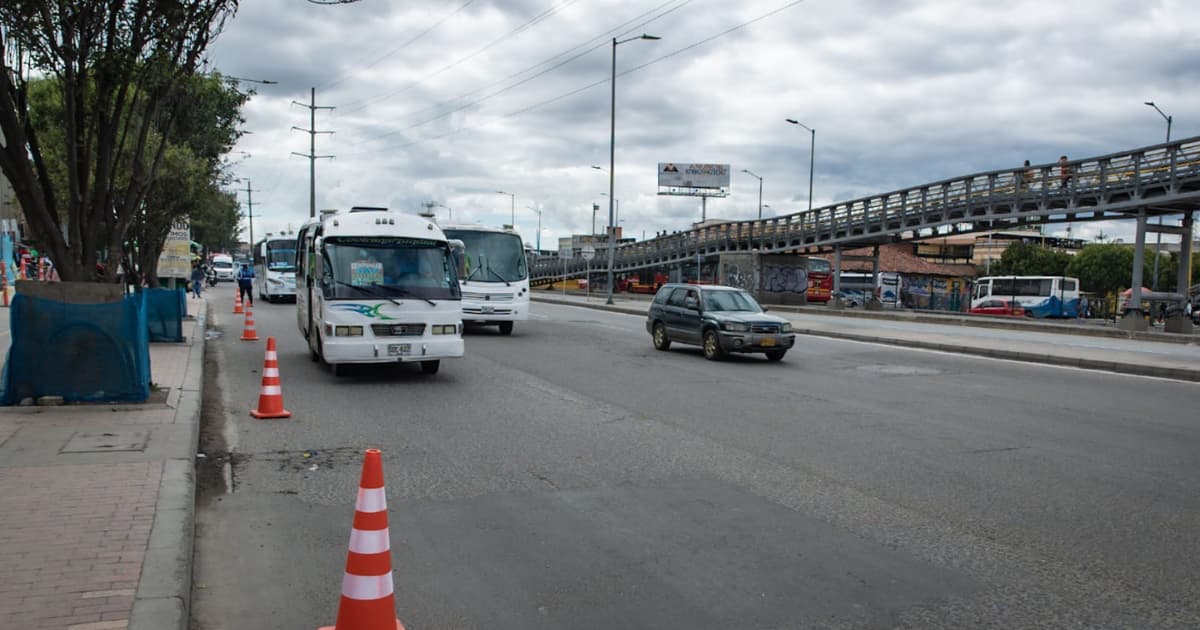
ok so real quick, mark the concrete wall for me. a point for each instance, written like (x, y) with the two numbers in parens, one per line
(73, 292)
(770, 278)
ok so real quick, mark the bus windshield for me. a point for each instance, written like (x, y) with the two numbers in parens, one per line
(281, 255)
(492, 256)
(387, 267)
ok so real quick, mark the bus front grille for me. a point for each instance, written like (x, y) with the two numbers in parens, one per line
(398, 330)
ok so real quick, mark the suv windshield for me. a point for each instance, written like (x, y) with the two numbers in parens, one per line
(730, 301)
(388, 267)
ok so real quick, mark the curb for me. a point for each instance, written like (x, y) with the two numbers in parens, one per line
(164, 591)
(1012, 355)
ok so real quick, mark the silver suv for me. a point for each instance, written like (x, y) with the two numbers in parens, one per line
(719, 319)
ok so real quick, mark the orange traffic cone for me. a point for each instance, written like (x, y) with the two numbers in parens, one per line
(367, 601)
(248, 333)
(237, 303)
(270, 397)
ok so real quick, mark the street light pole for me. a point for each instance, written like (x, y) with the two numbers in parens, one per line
(539, 230)
(612, 161)
(513, 206)
(1158, 235)
(812, 153)
(759, 191)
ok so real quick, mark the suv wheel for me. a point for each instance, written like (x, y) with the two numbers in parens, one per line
(661, 342)
(712, 346)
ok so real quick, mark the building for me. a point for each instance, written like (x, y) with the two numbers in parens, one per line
(572, 246)
(926, 282)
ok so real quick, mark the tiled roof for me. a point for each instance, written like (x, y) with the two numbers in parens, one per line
(899, 257)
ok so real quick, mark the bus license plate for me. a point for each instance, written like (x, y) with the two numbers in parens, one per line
(767, 342)
(397, 349)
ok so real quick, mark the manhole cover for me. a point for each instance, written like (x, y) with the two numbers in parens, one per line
(899, 370)
(105, 441)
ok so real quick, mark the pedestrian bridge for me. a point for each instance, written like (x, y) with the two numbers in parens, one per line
(1149, 181)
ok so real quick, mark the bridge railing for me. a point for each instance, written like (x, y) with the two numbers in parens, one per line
(1037, 191)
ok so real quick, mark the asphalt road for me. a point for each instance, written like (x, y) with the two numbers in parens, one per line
(570, 476)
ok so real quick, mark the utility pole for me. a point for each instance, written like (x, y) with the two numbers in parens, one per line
(312, 149)
(250, 214)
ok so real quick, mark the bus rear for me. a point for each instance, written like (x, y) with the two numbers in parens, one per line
(820, 280)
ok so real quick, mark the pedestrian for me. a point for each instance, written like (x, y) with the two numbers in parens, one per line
(1027, 176)
(1064, 172)
(1083, 306)
(245, 280)
(197, 279)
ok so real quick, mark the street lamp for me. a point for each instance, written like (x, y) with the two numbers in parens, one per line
(539, 231)
(449, 212)
(242, 80)
(1166, 117)
(1158, 235)
(812, 152)
(513, 203)
(612, 160)
(759, 191)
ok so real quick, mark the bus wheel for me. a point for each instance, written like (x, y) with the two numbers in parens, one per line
(506, 328)
(430, 367)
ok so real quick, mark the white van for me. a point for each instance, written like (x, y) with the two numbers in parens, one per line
(222, 265)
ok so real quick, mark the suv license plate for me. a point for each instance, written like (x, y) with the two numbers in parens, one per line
(397, 349)
(767, 342)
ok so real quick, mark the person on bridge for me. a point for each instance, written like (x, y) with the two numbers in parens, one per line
(1027, 176)
(245, 280)
(1064, 172)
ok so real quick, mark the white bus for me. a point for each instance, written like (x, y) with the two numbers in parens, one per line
(495, 278)
(275, 268)
(1040, 296)
(375, 286)
(886, 288)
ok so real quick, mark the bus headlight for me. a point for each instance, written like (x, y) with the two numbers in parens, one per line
(348, 331)
(445, 329)
(786, 327)
(736, 327)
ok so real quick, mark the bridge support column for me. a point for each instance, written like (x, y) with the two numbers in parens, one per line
(1133, 318)
(872, 302)
(1180, 323)
(836, 302)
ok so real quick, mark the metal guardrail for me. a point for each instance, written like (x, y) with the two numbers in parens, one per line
(1162, 179)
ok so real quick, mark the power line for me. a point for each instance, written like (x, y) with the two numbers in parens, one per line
(577, 90)
(397, 49)
(362, 103)
(602, 43)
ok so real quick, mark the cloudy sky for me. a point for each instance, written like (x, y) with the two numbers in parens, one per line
(450, 101)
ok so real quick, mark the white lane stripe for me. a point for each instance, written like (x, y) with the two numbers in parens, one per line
(369, 541)
(366, 586)
(271, 390)
(371, 500)
(271, 372)
(272, 355)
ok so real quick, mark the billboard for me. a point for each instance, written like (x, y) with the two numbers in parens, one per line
(175, 261)
(680, 175)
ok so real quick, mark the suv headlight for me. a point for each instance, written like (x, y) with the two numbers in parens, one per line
(736, 327)
(785, 327)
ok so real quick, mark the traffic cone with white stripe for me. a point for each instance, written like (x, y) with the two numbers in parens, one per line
(367, 601)
(270, 397)
(248, 332)
(237, 302)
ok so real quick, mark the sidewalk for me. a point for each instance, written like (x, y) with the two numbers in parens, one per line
(1167, 356)
(96, 502)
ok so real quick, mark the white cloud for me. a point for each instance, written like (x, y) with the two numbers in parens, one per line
(901, 93)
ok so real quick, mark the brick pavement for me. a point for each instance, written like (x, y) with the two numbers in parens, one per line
(75, 528)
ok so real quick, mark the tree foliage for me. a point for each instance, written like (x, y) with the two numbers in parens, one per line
(1030, 259)
(120, 69)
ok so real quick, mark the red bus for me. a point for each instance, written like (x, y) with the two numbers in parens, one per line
(820, 279)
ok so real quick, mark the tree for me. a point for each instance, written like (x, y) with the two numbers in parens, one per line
(119, 66)
(1030, 259)
(1103, 268)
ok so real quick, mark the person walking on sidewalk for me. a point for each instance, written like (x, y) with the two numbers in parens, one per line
(245, 280)
(197, 279)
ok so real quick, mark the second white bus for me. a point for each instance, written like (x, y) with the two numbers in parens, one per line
(375, 286)
(495, 279)
(275, 269)
(1040, 296)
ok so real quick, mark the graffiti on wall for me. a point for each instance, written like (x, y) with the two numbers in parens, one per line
(784, 279)
(740, 276)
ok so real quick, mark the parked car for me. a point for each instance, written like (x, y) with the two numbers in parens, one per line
(1001, 308)
(222, 266)
(719, 319)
